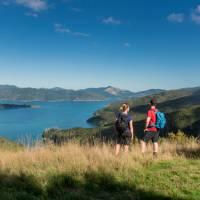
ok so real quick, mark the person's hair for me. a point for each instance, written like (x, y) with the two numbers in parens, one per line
(153, 102)
(124, 107)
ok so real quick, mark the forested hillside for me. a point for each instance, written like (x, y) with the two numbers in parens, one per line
(182, 109)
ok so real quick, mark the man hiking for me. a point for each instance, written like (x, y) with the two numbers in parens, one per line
(151, 132)
(124, 128)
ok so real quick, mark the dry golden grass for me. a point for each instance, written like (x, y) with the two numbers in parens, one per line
(48, 171)
(75, 158)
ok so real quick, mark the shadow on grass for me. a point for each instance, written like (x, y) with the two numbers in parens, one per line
(98, 186)
(189, 153)
(19, 187)
(91, 186)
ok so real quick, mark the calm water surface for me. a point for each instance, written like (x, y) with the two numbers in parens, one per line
(17, 124)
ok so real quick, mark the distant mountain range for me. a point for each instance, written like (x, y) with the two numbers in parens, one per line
(9, 92)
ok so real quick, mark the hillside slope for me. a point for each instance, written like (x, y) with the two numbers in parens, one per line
(181, 107)
(8, 92)
(78, 172)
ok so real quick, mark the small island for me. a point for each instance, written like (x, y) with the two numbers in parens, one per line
(14, 106)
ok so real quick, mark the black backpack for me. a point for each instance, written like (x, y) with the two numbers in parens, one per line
(121, 125)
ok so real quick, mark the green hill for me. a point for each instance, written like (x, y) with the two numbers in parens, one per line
(182, 108)
(7, 145)
(8, 92)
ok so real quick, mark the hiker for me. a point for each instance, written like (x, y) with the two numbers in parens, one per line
(154, 122)
(124, 128)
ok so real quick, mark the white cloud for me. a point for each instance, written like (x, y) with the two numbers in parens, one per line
(127, 44)
(176, 17)
(198, 9)
(111, 20)
(35, 15)
(34, 5)
(195, 16)
(60, 28)
(81, 34)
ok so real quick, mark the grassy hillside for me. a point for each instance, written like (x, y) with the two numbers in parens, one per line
(7, 145)
(75, 171)
(167, 101)
(181, 107)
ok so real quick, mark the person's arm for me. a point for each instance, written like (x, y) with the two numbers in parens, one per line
(147, 121)
(131, 128)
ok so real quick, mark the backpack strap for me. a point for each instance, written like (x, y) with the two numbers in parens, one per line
(119, 115)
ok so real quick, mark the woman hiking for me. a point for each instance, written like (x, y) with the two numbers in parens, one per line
(124, 128)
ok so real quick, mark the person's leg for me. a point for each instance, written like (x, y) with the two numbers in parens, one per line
(117, 149)
(143, 146)
(155, 147)
(144, 141)
(127, 142)
(126, 148)
(155, 144)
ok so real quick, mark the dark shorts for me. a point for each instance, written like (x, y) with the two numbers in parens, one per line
(123, 140)
(153, 136)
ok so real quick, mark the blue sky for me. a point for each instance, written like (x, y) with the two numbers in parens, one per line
(130, 44)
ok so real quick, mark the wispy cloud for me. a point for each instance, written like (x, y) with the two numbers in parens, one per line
(60, 28)
(34, 5)
(127, 44)
(81, 34)
(195, 16)
(111, 20)
(30, 14)
(176, 17)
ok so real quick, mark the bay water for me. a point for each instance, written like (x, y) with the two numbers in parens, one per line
(17, 124)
